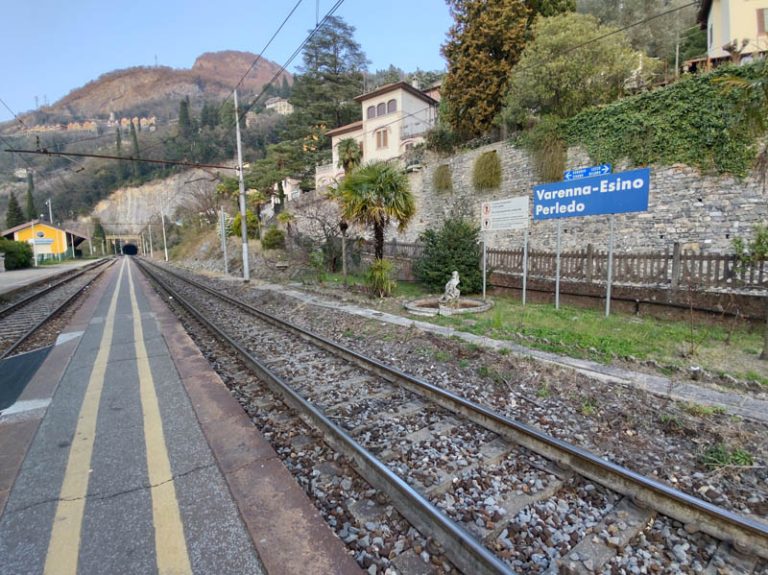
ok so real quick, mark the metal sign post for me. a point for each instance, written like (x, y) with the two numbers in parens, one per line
(525, 265)
(610, 270)
(557, 266)
(485, 256)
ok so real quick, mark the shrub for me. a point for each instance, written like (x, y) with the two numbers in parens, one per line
(251, 223)
(18, 255)
(379, 278)
(455, 246)
(486, 174)
(317, 263)
(273, 239)
(547, 149)
(441, 139)
(441, 179)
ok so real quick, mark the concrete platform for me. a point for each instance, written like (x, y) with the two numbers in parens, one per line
(11, 281)
(127, 454)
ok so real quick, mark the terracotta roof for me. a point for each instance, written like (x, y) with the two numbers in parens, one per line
(346, 128)
(396, 86)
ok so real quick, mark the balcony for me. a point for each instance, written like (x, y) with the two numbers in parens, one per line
(327, 174)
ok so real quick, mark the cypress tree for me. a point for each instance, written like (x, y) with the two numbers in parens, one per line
(185, 121)
(135, 142)
(120, 164)
(14, 216)
(31, 211)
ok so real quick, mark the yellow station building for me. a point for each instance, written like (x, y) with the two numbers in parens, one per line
(47, 241)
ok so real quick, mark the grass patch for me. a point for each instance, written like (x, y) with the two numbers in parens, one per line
(588, 334)
(719, 456)
(699, 410)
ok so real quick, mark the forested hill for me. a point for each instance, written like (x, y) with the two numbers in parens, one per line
(156, 91)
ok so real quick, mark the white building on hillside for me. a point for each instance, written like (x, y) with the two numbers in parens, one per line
(395, 118)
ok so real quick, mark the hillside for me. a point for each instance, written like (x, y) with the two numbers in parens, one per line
(156, 91)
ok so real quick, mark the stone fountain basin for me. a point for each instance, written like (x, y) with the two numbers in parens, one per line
(432, 306)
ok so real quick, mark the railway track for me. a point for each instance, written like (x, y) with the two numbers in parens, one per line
(22, 318)
(498, 496)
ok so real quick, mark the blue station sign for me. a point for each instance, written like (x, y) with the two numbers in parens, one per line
(607, 194)
(589, 172)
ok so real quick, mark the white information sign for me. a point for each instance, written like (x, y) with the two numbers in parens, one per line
(511, 214)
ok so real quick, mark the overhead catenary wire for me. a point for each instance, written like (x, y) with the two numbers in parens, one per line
(45, 152)
(290, 60)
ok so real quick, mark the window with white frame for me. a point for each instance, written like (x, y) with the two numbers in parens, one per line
(382, 138)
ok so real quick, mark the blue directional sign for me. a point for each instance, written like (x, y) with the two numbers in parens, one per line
(608, 194)
(589, 172)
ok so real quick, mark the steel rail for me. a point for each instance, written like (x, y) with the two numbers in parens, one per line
(32, 297)
(464, 550)
(746, 534)
(58, 309)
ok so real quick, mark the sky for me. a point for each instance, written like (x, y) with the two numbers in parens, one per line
(51, 47)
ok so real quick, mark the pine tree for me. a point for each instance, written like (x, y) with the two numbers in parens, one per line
(31, 211)
(331, 77)
(121, 171)
(13, 216)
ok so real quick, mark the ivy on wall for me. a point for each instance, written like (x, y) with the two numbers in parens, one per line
(695, 122)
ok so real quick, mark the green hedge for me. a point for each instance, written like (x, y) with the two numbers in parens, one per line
(695, 121)
(18, 255)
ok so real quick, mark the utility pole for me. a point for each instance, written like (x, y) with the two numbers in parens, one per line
(34, 245)
(50, 220)
(165, 245)
(241, 182)
(223, 233)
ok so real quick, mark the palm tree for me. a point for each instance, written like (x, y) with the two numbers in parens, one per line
(350, 154)
(374, 195)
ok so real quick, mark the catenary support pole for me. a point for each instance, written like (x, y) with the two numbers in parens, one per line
(241, 183)
(223, 233)
(165, 244)
(151, 249)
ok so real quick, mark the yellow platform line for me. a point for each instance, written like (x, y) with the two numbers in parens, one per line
(64, 545)
(170, 544)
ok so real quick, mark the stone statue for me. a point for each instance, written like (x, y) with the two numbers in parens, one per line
(452, 293)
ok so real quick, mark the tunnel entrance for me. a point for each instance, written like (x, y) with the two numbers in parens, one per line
(130, 250)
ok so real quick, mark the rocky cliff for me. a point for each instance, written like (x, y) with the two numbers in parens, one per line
(148, 91)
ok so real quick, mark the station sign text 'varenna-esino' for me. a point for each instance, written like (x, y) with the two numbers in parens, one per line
(605, 194)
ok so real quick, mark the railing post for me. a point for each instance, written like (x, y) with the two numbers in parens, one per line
(675, 280)
(590, 270)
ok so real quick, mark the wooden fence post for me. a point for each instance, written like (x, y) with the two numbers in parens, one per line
(675, 265)
(590, 270)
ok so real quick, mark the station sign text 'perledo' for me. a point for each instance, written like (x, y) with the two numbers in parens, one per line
(605, 194)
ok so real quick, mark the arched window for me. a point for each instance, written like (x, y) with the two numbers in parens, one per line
(371, 113)
(391, 106)
(381, 109)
